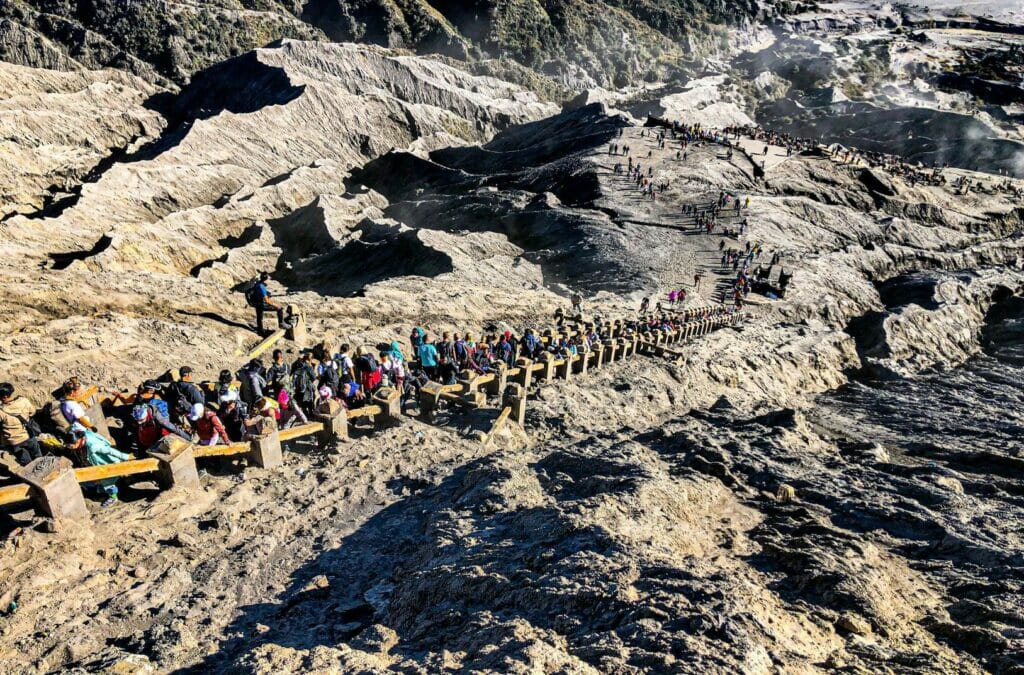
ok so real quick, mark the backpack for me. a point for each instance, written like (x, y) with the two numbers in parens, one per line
(366, 363)
(461, 353)
(302, 381)
(56, 416)
(252, 294)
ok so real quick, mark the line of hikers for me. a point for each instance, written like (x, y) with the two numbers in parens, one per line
(261, 397)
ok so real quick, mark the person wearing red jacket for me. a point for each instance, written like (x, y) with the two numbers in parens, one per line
(207, 426)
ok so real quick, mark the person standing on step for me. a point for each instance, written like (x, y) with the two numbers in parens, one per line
(304, 378)
(428, 357)
(184, 394)
(260, 299)
(279, 372)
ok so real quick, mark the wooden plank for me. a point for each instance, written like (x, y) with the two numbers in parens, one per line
(87, 393)
(130, 468)
(221, 450)
(14, 494)
(271, 340)
(498, 424)
(484, 379)
(365, 411)
(300, 431)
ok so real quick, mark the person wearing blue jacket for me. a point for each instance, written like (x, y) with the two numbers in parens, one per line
(428, 357)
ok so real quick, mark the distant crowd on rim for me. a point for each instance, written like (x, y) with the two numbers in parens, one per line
(706, 216)
(261, 397)
(894, 165)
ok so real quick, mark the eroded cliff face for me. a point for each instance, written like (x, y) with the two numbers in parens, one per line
(685, 515)
(604, 42)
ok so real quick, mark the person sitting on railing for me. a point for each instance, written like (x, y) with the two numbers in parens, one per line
(263, 419)
(351, 393)
(18, 431)
(98, 451)
(71, 407)
(233, 414)
(152, 424)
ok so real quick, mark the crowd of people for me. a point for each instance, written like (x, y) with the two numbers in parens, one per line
(892, 164)
(263, 396)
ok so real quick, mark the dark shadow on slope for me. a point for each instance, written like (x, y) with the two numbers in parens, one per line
(62, 261)
(239, 85)
(243, 238)
(212, 316)
(395, 570)
(533, 144)
(382, 252)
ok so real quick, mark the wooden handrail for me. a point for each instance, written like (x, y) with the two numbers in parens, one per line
(498, 424)
(266, 344)
(89, 474)
(14, 494)
(300, 431)
(365, 411)
(221, 450)
(17, 493)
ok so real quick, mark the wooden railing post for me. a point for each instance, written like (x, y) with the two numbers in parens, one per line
(515, 398)
(297, 332)
(497, 385)
(177, 463)
(525, 376)
(390, 402)
(265, 451)
(583, 362)
(55, 489)
(430, 395)
(335, 421)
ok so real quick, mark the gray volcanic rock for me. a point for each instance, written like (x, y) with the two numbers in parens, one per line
(57, 127)
(605, 42)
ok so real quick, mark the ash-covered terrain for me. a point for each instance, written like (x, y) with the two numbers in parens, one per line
(831, 485)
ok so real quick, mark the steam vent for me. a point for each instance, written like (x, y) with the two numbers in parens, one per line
(523, 337)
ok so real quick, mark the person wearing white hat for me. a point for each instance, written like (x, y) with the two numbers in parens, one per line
(206, 426)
